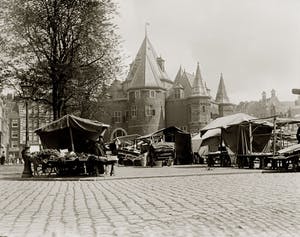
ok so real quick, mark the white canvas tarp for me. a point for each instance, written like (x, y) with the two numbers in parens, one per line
(236, 132)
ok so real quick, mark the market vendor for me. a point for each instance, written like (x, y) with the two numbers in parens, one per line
(101, 146)
(96, 148)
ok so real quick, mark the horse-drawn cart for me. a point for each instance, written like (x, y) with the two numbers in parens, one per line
(72, 146)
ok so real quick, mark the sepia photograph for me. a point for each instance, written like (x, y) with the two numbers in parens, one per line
(147, 118)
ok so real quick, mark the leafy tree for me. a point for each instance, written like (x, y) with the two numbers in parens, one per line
(66, 50)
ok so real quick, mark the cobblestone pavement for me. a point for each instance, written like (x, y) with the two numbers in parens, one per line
(13, 172)
(213, 205)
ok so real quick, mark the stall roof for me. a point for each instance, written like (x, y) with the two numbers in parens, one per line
(290, 149)
(127, 137)
(236, 136)
(59, 133)
(284, 121)
(227, 121)
(163, 130)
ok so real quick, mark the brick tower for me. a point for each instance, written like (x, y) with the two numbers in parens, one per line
(198, 104)
(146, 86)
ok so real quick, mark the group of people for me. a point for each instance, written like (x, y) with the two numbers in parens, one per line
(10, 160)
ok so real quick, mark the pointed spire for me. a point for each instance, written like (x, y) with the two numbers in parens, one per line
(198, 87)
(146, 70)
(221, 96)
(179, 74)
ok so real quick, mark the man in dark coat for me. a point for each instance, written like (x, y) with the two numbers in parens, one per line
(298, 134)
(2, 158)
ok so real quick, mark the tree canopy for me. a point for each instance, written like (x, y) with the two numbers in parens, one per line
(64, 50)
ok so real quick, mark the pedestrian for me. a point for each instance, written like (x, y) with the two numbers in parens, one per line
(2, 159)
(298, 133)
(97, 148)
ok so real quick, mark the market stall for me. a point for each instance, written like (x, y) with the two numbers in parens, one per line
(286, 159)
(246, 136)
(127, 150)
(73, 146)
(182, 144)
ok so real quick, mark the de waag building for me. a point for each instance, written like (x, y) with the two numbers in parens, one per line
(147, 100)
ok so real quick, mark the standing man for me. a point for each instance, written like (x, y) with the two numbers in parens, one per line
(298, 134)
(2, 159)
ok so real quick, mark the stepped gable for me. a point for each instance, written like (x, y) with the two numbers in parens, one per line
(198, 86)
(145, 71)
(221, 96)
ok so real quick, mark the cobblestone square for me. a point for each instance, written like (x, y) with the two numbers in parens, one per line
(242, 204)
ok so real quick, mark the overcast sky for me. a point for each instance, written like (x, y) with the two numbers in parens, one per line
(254, 43)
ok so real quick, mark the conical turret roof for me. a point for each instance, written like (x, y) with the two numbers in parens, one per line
(179, 74)
(145, 71)
(221, 96)
(198, 86)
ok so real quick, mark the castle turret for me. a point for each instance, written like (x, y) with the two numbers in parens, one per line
(198, 87)
(225, 107)
(147, 91)
(198, 104)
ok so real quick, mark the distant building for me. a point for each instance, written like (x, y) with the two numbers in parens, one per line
(266, 107)
(14, 149)
(13, 124)
(4, 129)
(147, 100)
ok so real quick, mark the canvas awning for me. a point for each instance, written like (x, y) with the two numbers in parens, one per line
(280, 122)
(70, 132)
(165, 131)
(211, 139)
(290, 150)
(130, 137)
(234, 119)
(236, 130)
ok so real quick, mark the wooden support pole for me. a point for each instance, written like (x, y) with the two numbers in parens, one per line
(71, 138)
(274, 137)
(250, 137)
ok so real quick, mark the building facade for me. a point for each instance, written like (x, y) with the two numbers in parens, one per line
(38, 116)
(14, 134)
(4, 126)
(148, 100)
(14, 149)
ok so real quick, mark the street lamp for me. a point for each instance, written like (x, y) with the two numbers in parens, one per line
(27, 172)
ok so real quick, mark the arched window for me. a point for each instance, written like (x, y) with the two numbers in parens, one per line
(118, 132)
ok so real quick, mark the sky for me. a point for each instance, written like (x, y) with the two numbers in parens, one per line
(254, 43)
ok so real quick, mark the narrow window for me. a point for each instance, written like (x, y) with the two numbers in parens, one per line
(117, 116)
